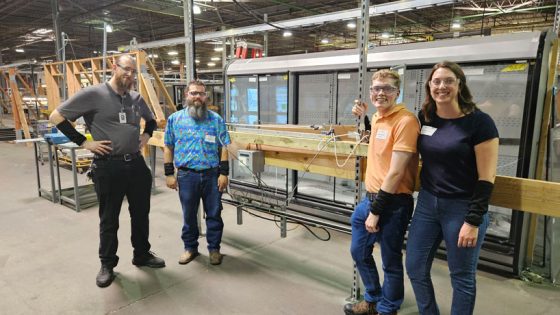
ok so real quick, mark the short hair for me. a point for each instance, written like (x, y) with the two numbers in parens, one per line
(464, 95)
(126, 56)
(196, 82)
(387, 74)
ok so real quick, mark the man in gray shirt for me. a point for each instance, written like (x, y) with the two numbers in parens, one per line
(112, 113)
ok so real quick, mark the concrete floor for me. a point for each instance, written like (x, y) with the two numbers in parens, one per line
(48, 263)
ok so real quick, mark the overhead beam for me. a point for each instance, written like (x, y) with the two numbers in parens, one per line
(375, 10)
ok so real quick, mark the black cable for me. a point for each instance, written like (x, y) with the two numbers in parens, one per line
(327, 238)
(256, 16)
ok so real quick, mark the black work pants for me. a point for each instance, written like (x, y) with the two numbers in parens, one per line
(113, 180)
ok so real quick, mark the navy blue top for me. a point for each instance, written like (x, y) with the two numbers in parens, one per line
(448, 158)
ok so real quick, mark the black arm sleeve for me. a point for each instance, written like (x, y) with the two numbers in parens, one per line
(479, 202)
(68, 130)
(382, 201)
(224, 168)
(150, 127)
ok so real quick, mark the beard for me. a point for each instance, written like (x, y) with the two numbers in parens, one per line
(197, 109)
(124, 83)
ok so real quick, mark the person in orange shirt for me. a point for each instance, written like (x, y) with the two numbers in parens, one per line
(383, 216)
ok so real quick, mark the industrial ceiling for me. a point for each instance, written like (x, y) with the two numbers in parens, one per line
(26, 26)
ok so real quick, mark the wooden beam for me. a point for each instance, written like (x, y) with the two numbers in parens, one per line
(17, 103)
(523, 194)
(152, 98)
(53, 89)
(309, 144)
(160, 84)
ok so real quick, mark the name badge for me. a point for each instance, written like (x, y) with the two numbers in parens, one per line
(211, 139)
(428, 130)
(381, 134)
(122, 118)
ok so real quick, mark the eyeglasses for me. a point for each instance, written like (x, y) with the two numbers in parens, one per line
(195, 93)
(127, 69)
(446, 82)
(387, 89)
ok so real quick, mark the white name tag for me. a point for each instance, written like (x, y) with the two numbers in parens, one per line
(381, 134)
(211, 139)
(122, 118)
(428, 130)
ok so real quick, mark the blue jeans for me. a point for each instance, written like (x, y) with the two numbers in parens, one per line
(192, 187)
(392, 226)
(436, 219)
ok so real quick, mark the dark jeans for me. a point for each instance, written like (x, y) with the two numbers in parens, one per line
(436, 219)
(392, 226)
(113, 180)
(192, 187)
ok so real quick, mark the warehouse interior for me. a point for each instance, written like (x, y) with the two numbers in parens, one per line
(275, 71)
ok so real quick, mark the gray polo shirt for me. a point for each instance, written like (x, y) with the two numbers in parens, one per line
(102, 110)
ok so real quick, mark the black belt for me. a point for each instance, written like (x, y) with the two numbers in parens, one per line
(197, 171)
(371, 196)
(118, 157)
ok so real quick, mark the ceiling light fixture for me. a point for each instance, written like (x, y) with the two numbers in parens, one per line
(287, 34)
(324, 41)
(385, 35)
(175, 62)
(20, 50)
(211, 64)
(109, 28)
(153, 56)
(196, 61)
(456, 24)
(218, 48)
(215, 58)
(196, 9)
(173, 53)
(351, 25)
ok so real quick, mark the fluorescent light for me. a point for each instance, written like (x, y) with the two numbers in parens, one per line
(173, 53)
(20, 50)
(196, 9)
(109, 28)
(211, 64)
(175, 62)
(42, 31)
(196, 61)
(218, 48)
(456, 24)
(215, 58)
(385, 35)
(153, 56)
(287, 34)
(324, 41)
(351, 25)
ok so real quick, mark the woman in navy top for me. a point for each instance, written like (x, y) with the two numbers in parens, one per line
(458, 144)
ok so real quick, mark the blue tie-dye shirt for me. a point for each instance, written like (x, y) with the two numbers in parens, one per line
(195, 143)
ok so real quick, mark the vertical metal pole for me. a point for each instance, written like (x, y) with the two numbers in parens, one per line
(189, 35)
(63, 54)
(265, 50)
(557, 18)
(75, 180)
(56, 28)
(104, 52)
(35, 146)
(232, 46)
(224, 59)
(363, 35)
(51, 169)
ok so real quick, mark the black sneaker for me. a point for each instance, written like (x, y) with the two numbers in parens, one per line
(149, 260)
(105, 276)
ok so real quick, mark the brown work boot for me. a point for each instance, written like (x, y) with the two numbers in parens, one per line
(363, 307)
(215, 257)
(187, 257)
